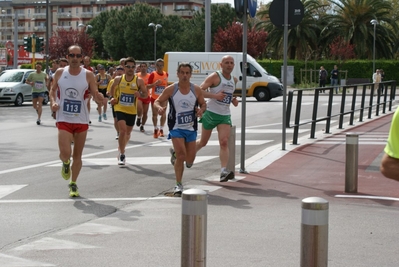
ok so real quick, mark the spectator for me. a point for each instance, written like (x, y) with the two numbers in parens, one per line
(334, 78)
(322, 78)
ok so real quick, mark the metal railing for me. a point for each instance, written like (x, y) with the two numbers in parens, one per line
(364, 91)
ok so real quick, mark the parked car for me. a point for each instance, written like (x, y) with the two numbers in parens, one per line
(13, 88)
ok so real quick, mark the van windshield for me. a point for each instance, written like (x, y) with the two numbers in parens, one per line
(252, 69)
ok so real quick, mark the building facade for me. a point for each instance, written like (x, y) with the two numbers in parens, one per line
(30, 15)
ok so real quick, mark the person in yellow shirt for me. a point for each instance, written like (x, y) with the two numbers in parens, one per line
(102, 80)
(124, 93)
(390, 161)
(118, 72)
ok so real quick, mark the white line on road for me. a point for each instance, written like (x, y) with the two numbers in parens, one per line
(13, 201)
(369, 197)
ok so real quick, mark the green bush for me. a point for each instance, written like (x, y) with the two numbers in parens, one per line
(355, 68)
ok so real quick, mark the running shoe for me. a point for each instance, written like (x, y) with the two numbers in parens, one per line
(189, 165)
(73, 190)
(178, 190)
(38, 122)
(117, 136)
(172, 156)
(121, 159)
(156, 133)
(226, 175)
(105, 116)
(65, 170)
(142, 129)
(160, 133)
(99, 118)
(138, 122)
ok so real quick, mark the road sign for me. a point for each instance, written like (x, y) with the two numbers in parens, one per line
(252, 6)
(295, 13)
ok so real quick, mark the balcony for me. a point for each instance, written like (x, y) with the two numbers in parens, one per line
(64, 15)
(86, 14)
(39, 28)
(39, 15)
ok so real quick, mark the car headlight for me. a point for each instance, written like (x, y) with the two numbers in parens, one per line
(8, 90)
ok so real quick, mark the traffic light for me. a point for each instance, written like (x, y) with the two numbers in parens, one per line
(28, 44)
(39, 44)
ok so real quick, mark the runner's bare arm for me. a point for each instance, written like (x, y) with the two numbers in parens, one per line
(142, 92)
(93, 88)
(163, 97)
(201, 101)
(117, 80)
(53, 91)
(212, 80)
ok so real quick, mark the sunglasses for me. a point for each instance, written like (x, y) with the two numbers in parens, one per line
(75, 55)
(130, 67)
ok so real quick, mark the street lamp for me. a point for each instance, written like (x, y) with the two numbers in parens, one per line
(155, 37)
(86, 27)
(374, 22)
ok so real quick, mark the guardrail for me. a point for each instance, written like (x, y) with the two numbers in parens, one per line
(363, 91)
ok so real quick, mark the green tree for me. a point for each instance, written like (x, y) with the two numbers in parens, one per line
(97, 30)
(351, 20)
(113, 33)
(302, 38)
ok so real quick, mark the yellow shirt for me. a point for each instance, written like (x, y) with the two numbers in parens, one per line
(125, 94)
(392, 147)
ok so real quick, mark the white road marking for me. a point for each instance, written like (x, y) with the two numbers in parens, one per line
(93, 229)
(13, 201)
(49, 243)
(6, 260)
(343, 142)
(134, 161)
(238, 143)
(369, 197)
(266, 131)
(8, 189)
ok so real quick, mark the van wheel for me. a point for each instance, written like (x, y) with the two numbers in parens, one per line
(19, 100)
(262, 94)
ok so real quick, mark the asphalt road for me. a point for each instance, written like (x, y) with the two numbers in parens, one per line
(34, 198)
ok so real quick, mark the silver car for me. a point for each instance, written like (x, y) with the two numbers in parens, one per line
(13, 88)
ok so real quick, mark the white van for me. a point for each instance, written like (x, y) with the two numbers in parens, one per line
(260, 84)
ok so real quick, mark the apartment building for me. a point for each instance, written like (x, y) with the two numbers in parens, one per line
(31, 14)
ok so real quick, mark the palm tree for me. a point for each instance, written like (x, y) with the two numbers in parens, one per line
(302, 39)
(351, 20)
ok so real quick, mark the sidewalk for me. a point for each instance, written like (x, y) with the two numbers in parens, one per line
(255, 221)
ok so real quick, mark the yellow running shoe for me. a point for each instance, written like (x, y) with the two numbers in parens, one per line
(65, 170)
(73, 190)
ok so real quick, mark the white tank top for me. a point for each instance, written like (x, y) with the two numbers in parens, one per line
(222, 107)
(182, 109)
(72, 97)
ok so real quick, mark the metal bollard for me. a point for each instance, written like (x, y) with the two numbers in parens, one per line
(351, 162)
(231, 164)
(314, 232)
(194, 225)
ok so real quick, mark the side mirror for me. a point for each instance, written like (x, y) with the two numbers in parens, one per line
(240, 78)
